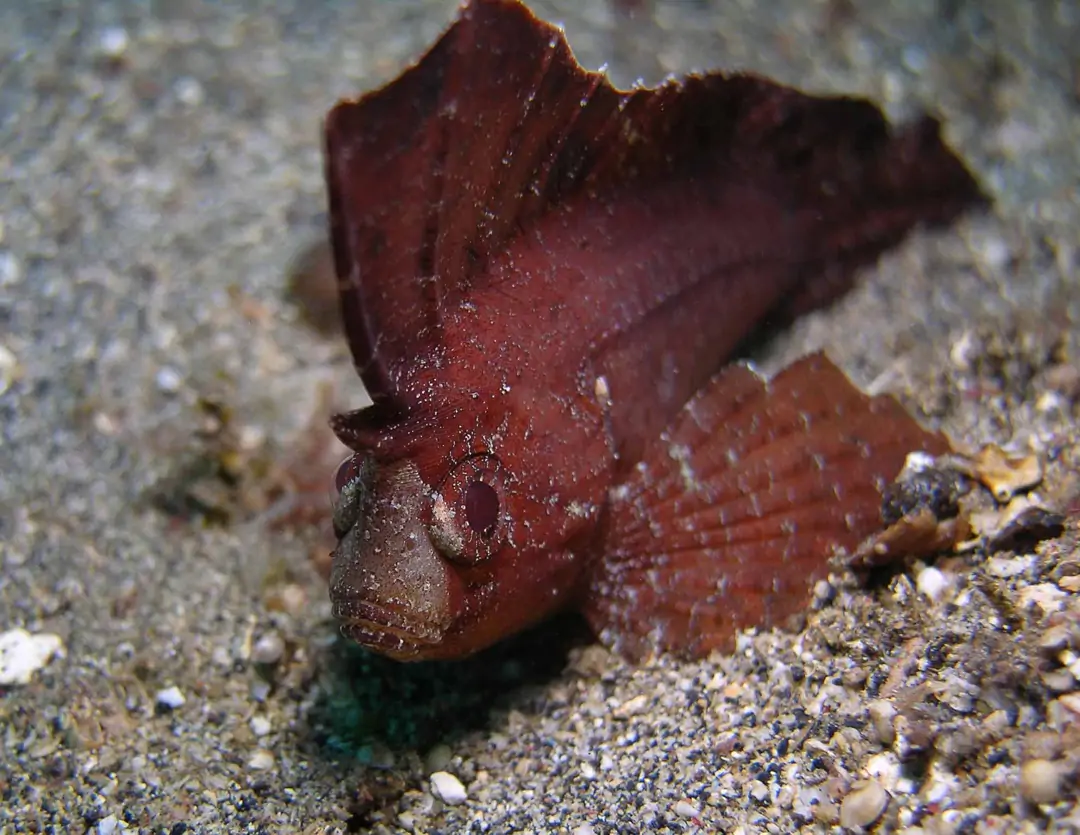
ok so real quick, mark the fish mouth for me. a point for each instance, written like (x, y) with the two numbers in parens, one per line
(389, 587)
(385, 630)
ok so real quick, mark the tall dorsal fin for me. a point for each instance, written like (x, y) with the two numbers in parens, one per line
(430, 176)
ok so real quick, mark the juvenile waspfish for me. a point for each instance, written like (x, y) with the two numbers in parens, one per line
(543, 282)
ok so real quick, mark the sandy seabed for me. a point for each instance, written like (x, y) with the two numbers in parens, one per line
(161, 167)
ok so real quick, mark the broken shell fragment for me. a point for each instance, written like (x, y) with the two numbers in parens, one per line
(1005, 475)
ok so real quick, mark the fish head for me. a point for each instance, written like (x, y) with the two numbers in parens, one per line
(391, 589)
(448, 545)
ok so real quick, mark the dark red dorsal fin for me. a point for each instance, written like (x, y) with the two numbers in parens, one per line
(429, 175)
(733, 513)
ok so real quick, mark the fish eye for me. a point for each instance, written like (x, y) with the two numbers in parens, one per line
(347, 471)
(482, 508)
(354, 480)
(468, 519)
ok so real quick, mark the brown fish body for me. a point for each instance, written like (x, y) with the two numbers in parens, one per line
(542, 337)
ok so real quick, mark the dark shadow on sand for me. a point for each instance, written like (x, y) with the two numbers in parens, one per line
(368, 700)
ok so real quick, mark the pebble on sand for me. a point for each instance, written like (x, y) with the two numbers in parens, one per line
(170, 698)
(111, 825)
(261, 760)
(448, 788)
(1040, 781)
(268, 649)
(260, 725)
(863, 805)
(23, 654)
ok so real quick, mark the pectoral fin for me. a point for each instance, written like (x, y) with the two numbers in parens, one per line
(733, 513)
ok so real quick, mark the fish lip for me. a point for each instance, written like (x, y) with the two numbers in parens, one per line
(384, 629)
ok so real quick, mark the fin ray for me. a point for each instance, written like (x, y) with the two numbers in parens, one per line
(734, 512)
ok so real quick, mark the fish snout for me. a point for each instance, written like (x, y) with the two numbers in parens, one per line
(390, 588)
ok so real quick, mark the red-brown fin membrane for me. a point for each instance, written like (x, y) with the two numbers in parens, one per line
(733, 513)
(428, 176)
(432, 175)
(868, 202)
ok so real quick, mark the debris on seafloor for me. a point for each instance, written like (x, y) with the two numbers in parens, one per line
(958, 503)
(212, 482)
(23, 653)
(234, 474)
(1002, 474)
(311, 286)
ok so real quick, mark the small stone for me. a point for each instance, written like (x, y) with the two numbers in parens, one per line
(290, 598)
(940, 785)
(915, 59)
(1071, 703)
(170, 698)
(168, 380)
(1005, 475)
(758, 791)
(23, 654)
(824, 591)
(189, 91)
(260, 725)
(438, 758)
(584, 829)
(882, 714)
(1046, 596)
(10, 268)
(686, 809)
(863, 805)
(260, 690)
(1056, 638)
(1005, 567)
(111, 826)
(885, 768)
(268, 649)
(448, 788)
(113, 41)
(9, 369)
(992, 251)
(997, 722)
(932, 583)
(261, 760)
(1040, 781)
(1043, 745)
(1060, 681)
(637, 705)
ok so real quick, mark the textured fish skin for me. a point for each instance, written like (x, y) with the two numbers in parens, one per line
(542, 279)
